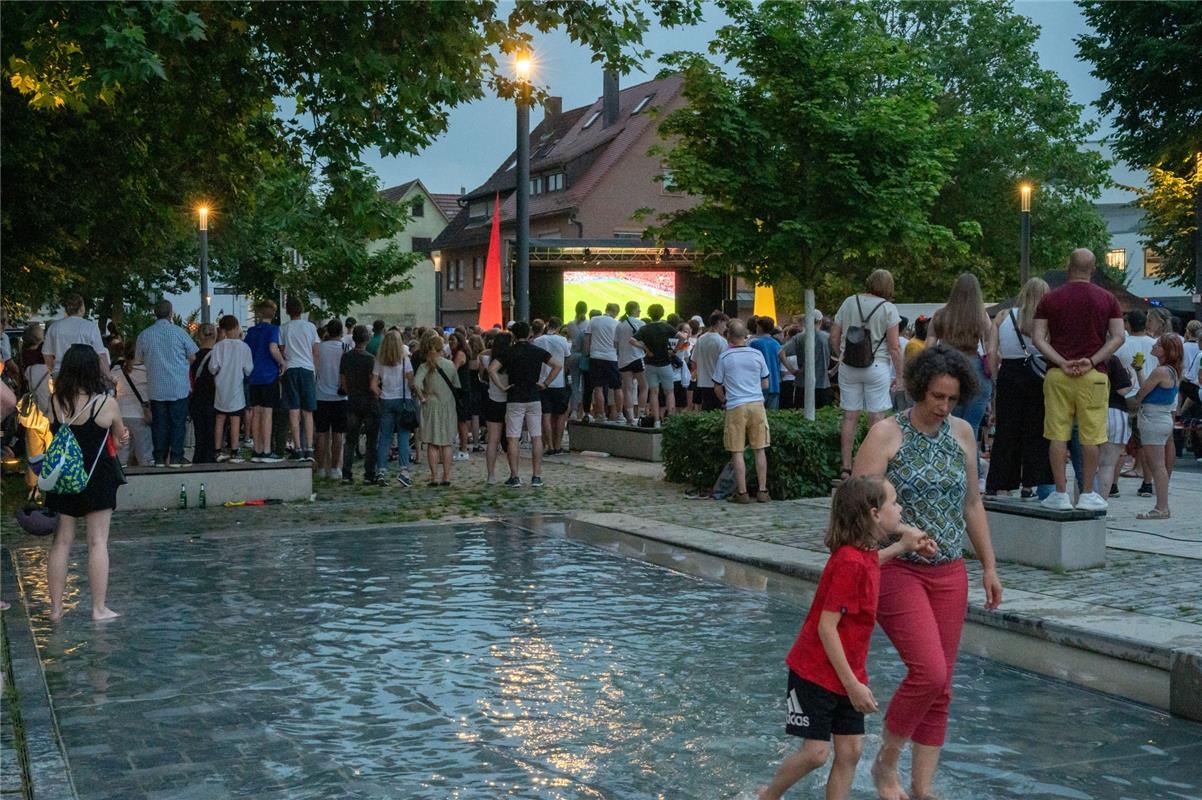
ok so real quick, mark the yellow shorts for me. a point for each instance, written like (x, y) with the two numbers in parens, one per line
(1083, 398)
(746, 426)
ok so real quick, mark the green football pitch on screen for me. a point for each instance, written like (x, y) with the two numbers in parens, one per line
(597, 289)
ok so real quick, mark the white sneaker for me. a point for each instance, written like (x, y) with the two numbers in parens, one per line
(460, 455)
(1092, 501)
(1058, 501)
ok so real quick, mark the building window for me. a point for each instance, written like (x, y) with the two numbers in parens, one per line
(666, 179)
(459, 284)
(450, 272)
(477, 273)
(419, 207)
(480, 209)
(420, 244)
(555, 182)
(628, 235)
(642, 104)
(1153, 264)
(591, 120)
(1117, 258)
(536, 186)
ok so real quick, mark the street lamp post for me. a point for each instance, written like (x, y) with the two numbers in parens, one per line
(202, 214)
(1025, 262)
(522, 65)
(436, 257)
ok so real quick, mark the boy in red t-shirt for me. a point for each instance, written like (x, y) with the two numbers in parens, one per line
(828, 691)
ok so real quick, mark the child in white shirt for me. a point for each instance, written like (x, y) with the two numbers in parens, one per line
(231, 363)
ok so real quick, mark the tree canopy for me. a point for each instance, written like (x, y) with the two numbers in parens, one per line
(1148, 55)
(894, 134)
(120, 118)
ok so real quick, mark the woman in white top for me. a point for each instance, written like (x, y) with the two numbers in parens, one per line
(1020, 453)
(133, 401)
(867, 388)
(392, 381)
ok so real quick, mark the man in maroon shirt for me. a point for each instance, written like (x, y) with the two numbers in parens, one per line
(1077, 328)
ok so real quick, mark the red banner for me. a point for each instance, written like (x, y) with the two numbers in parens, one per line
(490, 302)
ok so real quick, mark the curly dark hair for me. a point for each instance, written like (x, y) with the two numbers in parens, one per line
(935, 361)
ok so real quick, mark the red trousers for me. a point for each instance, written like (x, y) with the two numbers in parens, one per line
(922, 612)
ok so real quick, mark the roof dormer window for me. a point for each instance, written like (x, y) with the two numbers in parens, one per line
(642, 104)
(591, 119)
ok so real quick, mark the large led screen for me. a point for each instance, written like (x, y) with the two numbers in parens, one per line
(597, 289)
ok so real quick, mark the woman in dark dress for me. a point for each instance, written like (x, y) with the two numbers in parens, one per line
(81, 400)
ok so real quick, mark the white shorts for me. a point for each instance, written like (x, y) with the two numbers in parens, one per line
(529, 413)
(1155, 424)
(865, 388)
(1118, 426)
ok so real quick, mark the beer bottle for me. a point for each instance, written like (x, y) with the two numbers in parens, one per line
(183, 496)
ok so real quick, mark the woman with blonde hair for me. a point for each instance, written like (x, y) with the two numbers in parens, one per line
(392, 382)
(864, 338)
(437, 383)
(964, 325)
(1020, 453)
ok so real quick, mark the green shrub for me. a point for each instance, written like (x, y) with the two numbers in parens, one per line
(803, 459)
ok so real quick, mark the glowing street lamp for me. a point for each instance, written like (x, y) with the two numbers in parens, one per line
(436, 257)
(523, 66)
(202, 215)
(1025, 206)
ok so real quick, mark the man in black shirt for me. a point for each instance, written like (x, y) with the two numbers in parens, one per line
(658, 339)
(522, 364)
(362, 407)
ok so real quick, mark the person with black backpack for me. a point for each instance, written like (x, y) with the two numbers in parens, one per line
(864, 334)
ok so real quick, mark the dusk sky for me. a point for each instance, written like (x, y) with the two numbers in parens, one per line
(482, 134)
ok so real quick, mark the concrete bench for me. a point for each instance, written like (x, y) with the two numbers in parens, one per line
(1024, 532)
(625, 441)
(152, 487)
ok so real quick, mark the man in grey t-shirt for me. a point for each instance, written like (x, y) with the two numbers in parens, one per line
(72, 329)
(795, 348)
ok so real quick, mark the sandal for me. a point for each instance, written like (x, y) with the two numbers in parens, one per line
(742, 498)
(1154, 514)
(844, 474)
(762, 496)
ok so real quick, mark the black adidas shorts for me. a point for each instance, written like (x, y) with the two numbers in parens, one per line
(815, 712)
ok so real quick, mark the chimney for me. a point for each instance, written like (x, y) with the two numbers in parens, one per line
(552, 108)
(609, 98)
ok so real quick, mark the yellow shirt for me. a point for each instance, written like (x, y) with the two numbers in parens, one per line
(914, 347)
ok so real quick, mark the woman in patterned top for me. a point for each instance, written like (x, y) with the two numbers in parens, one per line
(931, 458)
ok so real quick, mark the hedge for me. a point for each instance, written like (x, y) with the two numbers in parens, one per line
(803, 459)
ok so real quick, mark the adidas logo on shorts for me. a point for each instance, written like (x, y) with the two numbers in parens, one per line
(796, 717)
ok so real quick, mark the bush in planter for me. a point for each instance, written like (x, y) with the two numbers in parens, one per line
(802, 460)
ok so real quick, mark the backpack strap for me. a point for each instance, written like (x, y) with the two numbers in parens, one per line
(1022, 342)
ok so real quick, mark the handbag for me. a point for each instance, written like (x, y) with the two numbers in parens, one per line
(29, 415)
(1033, 361)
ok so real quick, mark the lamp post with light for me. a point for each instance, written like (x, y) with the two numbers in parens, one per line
(522, 66)
(436, 257)
(202, 215)
(1025, 260)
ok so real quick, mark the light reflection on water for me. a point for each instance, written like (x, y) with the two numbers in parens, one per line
(489, 662)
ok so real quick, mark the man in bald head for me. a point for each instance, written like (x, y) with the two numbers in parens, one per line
(1077, 328)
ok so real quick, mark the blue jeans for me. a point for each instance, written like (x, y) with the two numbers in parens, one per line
(972, 409)
(390, 411)
(168, 424)
(771, 400)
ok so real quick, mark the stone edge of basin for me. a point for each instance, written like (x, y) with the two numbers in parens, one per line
(1178, 651)
(49, 772)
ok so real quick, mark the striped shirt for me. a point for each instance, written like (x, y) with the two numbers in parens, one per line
(166, 349)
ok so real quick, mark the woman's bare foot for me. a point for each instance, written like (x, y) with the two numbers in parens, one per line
(888, 787)
(100, 615)
(56, 614)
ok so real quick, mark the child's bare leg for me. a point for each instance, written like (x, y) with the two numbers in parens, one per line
(235, 433)
(843, 771)
(98, 563)
(884, 768)
(219, 433)
(56, 564)
(809, 757)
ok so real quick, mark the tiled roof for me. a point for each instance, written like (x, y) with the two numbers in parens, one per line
(397, 193)
(447, 203)
(556, 142)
